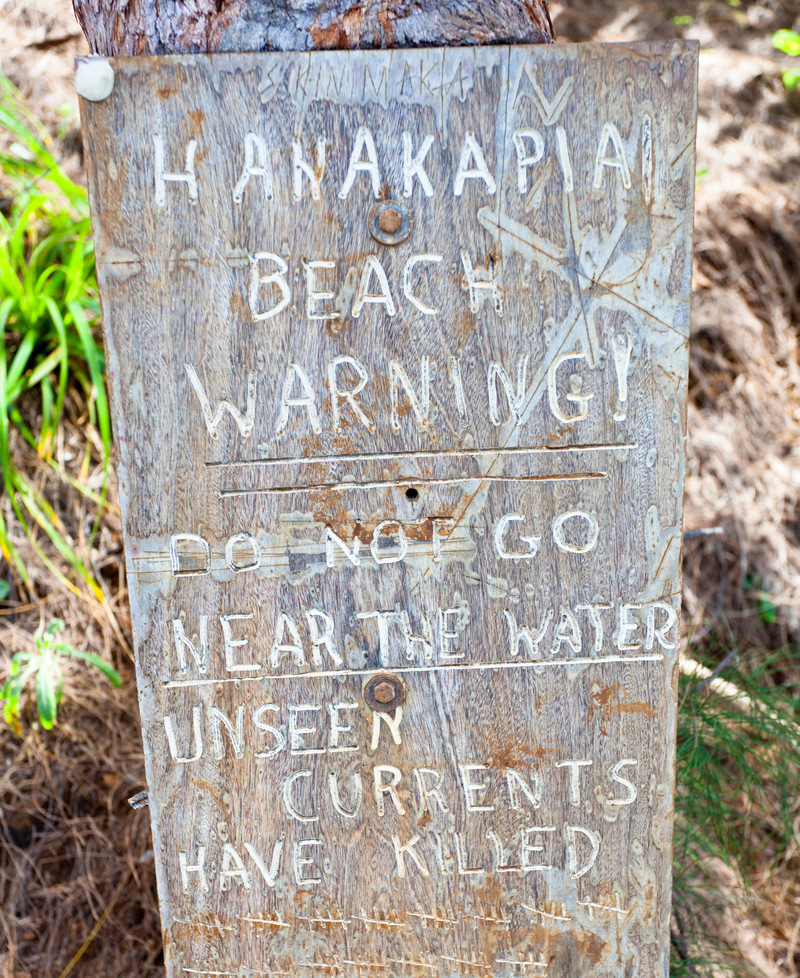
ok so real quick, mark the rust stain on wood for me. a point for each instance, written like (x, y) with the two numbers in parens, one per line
(611, 700)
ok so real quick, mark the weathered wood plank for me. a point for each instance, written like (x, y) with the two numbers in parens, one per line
(455, 458)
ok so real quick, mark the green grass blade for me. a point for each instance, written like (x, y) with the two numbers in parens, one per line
(108, 671)
(94, 360)
(46, 685)
(13, 386)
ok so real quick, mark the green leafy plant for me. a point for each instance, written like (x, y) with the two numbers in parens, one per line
(791, 79)
(42, 667)
(789, 43)
(48, 307)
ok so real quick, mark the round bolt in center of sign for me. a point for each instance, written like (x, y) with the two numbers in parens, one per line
(384, 693)
(389, 222)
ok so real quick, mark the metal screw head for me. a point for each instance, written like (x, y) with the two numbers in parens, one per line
(384, 693)
(389, 222)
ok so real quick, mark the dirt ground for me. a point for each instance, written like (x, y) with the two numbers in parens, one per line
(76, 868)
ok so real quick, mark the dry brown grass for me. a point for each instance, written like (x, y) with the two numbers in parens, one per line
(71, 848)
(74, 855)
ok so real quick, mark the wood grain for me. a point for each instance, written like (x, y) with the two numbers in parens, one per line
(512, 459)
(119, 27)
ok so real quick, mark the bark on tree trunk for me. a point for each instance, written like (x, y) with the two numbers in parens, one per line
(138, 27)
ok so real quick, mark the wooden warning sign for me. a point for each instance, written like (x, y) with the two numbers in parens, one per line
(397, 344)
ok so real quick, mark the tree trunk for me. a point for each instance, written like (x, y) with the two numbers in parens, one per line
(139, 27)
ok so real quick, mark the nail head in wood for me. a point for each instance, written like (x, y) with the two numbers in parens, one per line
(94, 79)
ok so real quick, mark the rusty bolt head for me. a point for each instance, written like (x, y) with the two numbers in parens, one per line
(390, 220)
(384, 693)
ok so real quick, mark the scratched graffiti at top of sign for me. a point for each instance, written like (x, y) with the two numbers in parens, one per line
(397, 350)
